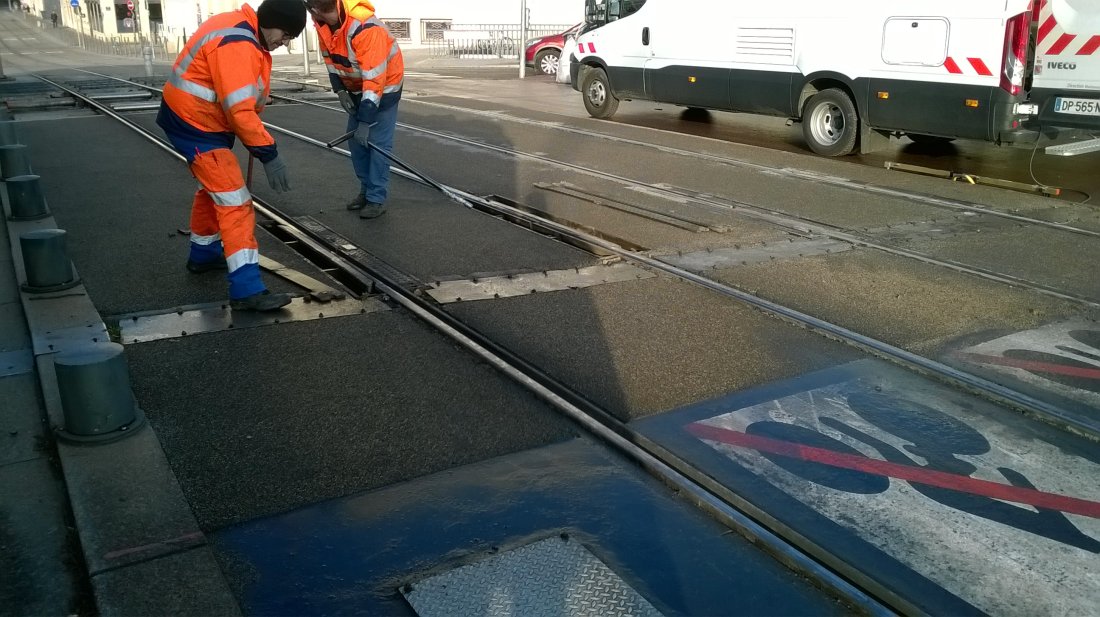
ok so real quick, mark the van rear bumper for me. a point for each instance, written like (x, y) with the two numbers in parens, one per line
(1045, 99)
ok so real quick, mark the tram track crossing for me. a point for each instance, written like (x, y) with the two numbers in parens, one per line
(801, 225)
(998, 393)
(992, 391)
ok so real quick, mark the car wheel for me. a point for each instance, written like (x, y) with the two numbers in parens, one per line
(598, 99)
(830, 123)
(546, 62)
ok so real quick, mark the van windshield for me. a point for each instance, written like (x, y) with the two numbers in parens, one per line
(600, 12)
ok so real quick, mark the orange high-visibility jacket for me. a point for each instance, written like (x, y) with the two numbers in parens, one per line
(221, 79)
(361, 53)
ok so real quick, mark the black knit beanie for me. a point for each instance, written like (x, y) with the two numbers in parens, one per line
(286, 15)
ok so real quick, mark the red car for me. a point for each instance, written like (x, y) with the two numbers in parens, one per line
(543, 53)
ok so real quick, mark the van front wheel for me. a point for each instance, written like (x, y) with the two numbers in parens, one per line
(830, 123)
(598, 99)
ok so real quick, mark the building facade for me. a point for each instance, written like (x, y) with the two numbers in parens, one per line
(413, 22)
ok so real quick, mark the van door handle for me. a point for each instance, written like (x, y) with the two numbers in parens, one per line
(645, 36)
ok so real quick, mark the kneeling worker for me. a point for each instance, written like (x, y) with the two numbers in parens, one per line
(218, 87)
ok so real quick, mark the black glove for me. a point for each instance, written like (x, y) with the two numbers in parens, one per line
(276, 175)
(347, 102)
(362, 134)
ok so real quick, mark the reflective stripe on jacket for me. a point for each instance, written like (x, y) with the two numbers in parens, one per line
(361, 52)
(221, 80)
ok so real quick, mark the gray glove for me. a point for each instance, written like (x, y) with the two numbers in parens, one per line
(362, 134)
(347, 102)
(276, 175)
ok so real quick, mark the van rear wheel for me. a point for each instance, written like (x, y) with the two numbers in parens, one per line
(830, 123)
(598, 99)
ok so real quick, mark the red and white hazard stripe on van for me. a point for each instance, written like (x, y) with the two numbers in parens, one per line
(967, 65)
(586, 48)
(1052, 40)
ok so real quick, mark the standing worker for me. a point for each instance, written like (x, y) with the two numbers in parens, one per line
(219, 85)
(366, 69)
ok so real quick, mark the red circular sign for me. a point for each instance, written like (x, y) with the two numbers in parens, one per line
(130, 4)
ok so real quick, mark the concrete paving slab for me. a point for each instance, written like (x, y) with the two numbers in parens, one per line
(13, 334)
(22, 424)
(126, 502)
(182, 583)
(39, 574)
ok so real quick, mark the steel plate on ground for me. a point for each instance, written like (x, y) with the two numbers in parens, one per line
(219, 317)
(555, 577)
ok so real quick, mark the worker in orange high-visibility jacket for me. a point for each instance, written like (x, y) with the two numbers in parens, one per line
(366, 69)
(217, 89)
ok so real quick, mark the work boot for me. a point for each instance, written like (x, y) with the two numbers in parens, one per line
(372, 210)
(357, 203)
(263, 301)
(196, 267)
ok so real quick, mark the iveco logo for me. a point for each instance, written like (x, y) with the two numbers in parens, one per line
(1067, 66)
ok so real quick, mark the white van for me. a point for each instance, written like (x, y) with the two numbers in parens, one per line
(854, 73)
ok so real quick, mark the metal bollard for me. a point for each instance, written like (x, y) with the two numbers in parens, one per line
(147, 54)
(96, 399)
(14, 161)
(8, 136)
(25, 197)
(46, 261)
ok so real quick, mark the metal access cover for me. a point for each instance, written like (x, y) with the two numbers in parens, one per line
(143, 328)
(446, 292)
(553, 577)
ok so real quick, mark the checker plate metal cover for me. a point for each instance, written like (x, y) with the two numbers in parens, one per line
(552, 577)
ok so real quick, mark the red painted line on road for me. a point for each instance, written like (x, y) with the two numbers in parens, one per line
(184, 540)
(950, 65)
(980, 66)
(955, 482)
(1033, 365)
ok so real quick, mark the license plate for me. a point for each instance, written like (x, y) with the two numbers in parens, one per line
(1080, 107)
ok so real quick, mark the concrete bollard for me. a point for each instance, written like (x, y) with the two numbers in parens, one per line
(8, 136)
(25, 197)
(46, 261)
(98, 404)
(14, 161)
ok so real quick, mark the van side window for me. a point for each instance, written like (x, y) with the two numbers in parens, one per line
(600, 12)
(623, 8)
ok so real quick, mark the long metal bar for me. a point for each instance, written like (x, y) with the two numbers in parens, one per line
(764, 538)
